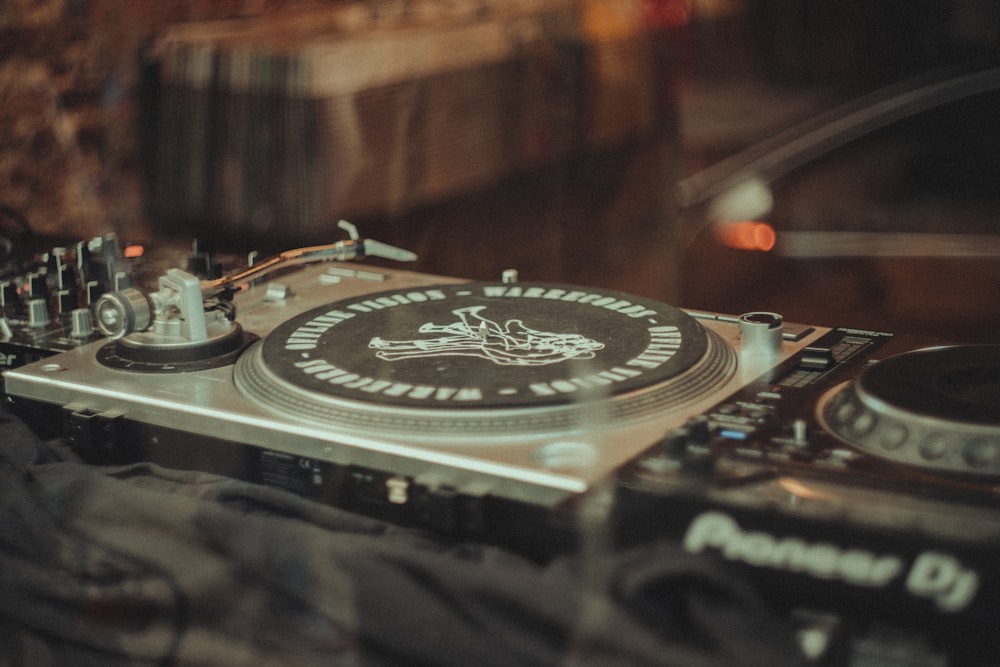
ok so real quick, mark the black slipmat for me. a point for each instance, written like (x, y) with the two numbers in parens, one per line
(477, 359)
(489, 341)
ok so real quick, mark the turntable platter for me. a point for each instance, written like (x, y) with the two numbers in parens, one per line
(477, 356)
(937, 407)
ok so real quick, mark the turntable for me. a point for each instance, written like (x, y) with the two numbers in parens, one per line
(844, 469)
(507, 389)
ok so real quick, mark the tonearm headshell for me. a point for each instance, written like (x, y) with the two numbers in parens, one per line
(189, 321)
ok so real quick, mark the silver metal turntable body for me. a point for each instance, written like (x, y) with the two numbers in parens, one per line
(538, 453)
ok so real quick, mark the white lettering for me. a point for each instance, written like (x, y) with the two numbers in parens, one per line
(383, 302)
(943, 579)
(575, 296)
(570, 385)
(306, 336)
(720, 532)
(327, 372)
(664, 343)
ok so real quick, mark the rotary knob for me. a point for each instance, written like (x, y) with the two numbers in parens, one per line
(120, 313)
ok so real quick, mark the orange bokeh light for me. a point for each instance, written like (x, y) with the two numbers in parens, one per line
(746, 235)
(133, 251)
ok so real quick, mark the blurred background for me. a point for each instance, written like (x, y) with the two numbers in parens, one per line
(834, 161)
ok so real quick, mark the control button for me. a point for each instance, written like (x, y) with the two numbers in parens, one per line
(846, 411)
(795, 332)
(566, 455)
(277, 292)
(981, 452)
(397, 490)
(894, 436)
(933, 447)
(863, 423)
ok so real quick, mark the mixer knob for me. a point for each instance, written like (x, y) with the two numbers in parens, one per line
(81, 324)
(38, 314)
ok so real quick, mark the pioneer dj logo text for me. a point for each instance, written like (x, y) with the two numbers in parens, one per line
(932, 575)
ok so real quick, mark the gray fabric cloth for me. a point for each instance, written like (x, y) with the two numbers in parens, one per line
(138, 565)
